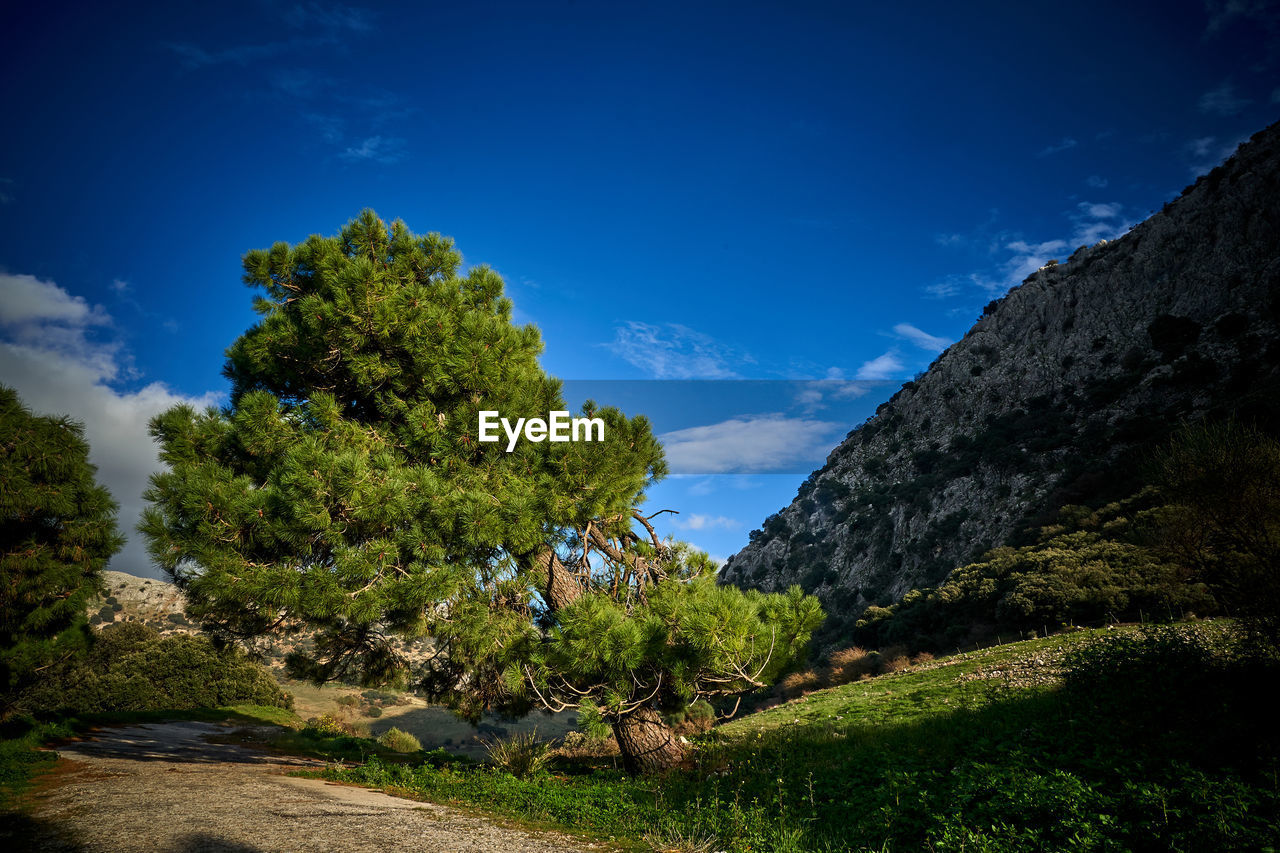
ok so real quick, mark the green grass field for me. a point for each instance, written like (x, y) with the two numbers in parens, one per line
(985, 751)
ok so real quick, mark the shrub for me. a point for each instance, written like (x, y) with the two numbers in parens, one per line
(130, 667)
(374, 711)
(521, 755)
(1181, 688)
(698, 718)
(327, 725)
(576, 745)
(399, 741)
(799, 683)
(851, 664)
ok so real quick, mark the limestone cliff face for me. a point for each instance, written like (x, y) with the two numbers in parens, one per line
(1051, 398)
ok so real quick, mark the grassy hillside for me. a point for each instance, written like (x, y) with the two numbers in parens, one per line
(1017, 747)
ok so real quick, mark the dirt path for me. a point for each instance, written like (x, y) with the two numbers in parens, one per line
(166, 788)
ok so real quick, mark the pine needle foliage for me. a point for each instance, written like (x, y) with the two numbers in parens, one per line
(345, 489)
(57, 531)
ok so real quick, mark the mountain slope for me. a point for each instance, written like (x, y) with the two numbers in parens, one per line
(1051, 398)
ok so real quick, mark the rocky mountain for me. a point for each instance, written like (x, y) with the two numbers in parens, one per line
(1051, 398)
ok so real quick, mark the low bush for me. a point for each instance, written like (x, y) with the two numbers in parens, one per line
(327, 725)
(399, 741)
(852, 664)
(130, 667)
(522, 755)
(799, 683)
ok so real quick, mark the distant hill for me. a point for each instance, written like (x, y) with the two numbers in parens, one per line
(1053, 397)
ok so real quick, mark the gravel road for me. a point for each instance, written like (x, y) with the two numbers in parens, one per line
(165, 787)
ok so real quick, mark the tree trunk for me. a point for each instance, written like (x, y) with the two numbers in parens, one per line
(647, 744)
(562, 587)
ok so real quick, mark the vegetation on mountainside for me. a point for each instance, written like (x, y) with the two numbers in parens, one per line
(1092, 567)
(1203, 539)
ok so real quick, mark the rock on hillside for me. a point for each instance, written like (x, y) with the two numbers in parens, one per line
(1050, 398)
(160, 604)
(134, 599)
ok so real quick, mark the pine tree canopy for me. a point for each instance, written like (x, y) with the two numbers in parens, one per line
(57, 531)
(345, 488)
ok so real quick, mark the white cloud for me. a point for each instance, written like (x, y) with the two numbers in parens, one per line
(1066, 144)
(1026, 259)
(697, 521)
(1096, 181)
(377, 149)
(885, 366)
(1094, 222)
(1223, 101)
(120, 286)
(814, 394)
(28, 300)
(949, 286)
(331, 17)
(673, 351)
(924, 340)
(49, 355)
(751, 444)
(1208, 152)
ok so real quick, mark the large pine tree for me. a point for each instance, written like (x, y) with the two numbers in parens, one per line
(345, 489)
(57, 531)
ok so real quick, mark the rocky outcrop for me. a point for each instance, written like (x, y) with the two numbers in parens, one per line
(1051, 398)
(160, 605)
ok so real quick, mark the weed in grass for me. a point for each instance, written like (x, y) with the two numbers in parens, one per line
(521, 755)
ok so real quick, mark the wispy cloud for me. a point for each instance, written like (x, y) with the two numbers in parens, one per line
(1090, 223)
(1223, 101)
(194, 56)
(378, 149)
(333, 17)
(1209, 151)
(924, 340)
(6, 197)
(816, 394)
(698, 521)
(886, 366)
(947, 287)
(755, 444)
(1065, 144)
(56, 352)
(325, 25)
(673, 351)
(1224, 13)
(1095, 222)
(1096, 181)
(1024, 259)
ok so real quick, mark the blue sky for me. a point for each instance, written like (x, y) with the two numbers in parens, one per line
(672, 191)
